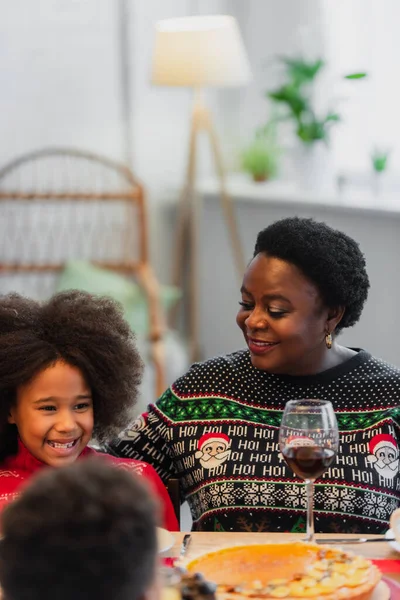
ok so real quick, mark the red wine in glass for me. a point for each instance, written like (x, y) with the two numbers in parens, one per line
(309, 440)
(308, 462)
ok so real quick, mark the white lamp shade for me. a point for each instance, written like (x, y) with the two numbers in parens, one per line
(199, 51)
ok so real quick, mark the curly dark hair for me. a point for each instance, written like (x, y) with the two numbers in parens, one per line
(329, 258)
(83, 531)
(85, 331)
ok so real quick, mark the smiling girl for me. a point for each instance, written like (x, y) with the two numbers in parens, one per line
(69, 371)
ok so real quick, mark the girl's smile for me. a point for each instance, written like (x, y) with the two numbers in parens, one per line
(63, 448)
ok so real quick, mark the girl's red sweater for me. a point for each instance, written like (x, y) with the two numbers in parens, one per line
(17, 470)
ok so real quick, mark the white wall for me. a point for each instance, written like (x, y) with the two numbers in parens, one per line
(60, 81)
(58, 76)
(364, 35)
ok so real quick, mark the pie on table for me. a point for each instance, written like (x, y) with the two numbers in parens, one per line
(288, 570)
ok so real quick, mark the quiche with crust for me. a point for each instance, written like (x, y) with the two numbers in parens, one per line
(295, 571)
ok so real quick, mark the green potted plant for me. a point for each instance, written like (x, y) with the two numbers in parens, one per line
(260, 157)
(379, 161)
(312, 162)
(295, 94)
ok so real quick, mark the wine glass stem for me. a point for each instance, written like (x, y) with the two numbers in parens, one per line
(310, 510)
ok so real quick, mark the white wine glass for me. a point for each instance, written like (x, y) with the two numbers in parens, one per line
(309, 440)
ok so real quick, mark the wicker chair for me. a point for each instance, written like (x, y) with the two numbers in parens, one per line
(58, 205)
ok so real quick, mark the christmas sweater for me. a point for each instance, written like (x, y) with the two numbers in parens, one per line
(17, 470)
(217, 429)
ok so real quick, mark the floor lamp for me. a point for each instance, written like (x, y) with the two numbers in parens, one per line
(199, 52)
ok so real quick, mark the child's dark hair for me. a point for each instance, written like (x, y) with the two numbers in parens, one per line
(329, 258)
(86, 531)
(82, 330)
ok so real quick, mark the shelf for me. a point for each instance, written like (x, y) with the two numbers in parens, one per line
(241, 188)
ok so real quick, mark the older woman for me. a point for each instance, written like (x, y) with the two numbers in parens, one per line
(216, 428)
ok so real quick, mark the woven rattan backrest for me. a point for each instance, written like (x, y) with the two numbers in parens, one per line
(61, 204)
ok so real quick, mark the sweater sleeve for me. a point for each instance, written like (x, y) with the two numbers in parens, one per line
(168, 518)
(148, 438)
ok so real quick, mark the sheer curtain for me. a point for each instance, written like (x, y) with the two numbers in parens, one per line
(364, 35)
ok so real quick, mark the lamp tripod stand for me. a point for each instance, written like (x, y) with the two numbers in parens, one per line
(189, 220)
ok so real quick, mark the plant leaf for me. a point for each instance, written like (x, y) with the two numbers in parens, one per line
(301, 70)
(290, 95)
(313, 131)
(356, 76)
(332, 117)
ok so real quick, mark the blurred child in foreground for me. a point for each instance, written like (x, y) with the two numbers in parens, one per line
(85, 531)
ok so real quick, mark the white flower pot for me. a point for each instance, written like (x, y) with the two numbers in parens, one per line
(313, 167)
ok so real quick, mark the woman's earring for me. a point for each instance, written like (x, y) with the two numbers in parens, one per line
(328, 340)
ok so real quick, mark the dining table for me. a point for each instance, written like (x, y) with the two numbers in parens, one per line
(380, 552)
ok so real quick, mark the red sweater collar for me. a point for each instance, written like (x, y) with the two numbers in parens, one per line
(25, 461)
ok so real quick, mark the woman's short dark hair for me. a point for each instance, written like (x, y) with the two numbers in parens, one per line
(329, 258)
(85, 331)
(83, 531)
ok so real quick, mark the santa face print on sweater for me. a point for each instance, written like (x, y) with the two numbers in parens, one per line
(213, 450)
(384, 456)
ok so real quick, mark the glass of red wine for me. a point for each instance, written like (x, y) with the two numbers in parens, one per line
(309, 440)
